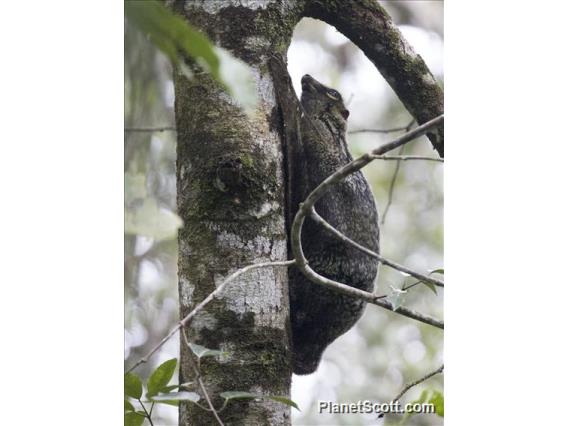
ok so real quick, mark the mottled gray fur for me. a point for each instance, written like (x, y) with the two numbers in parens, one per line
(319, 315)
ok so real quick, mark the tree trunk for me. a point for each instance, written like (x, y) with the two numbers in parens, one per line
(230, 184)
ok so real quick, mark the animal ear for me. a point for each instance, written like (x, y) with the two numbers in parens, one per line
(345, 113)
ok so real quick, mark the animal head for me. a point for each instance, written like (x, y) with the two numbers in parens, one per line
(318, 99)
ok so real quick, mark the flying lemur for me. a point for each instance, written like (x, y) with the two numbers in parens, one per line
(318, 148)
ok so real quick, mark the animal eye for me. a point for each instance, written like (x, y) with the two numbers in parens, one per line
(333, 94)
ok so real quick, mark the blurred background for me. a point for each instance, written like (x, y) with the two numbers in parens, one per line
(384, 351)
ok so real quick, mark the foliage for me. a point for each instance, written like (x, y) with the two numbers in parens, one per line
(248, 395)
(161, 377)
(171, 34)
(437, 398)
(202, 351)
(176, 39)
(132, 385)
(159, 392)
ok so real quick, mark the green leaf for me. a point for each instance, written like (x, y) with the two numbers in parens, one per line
(128, 406)
(173, 398)
(238, 395)
(437, 399)
(284, 400)
(134, 418)
(171, 34)
(437, 271)
(202, 351)
(161, 377)
(175, 38)
(247, 395)
(169, 388)
(149, 219)
(431, 287)
(132, 385)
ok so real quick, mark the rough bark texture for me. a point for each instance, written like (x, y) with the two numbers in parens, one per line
(231, 197)
(369, 26)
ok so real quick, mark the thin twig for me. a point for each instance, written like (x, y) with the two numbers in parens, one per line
(363, 295)
(318, 219)
(394, 177)
(396, 129)
(417, 382)
(199, 381)
(407, 157)
(412, 285)
(391, 186)
(148, 415)
(151, 129)
(402, 289)
(205, 301)
(412, 384)
(308, 204)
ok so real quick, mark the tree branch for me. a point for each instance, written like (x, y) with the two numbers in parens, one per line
(370, 298)
(150, 129)
(370, 27)
(424, 278)
(407, 157)
(412, 384)
(395, 129)
(393, 178)
(391, 187)
(148, 415)
(200, 306)
(417, 382)
(199, 381)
